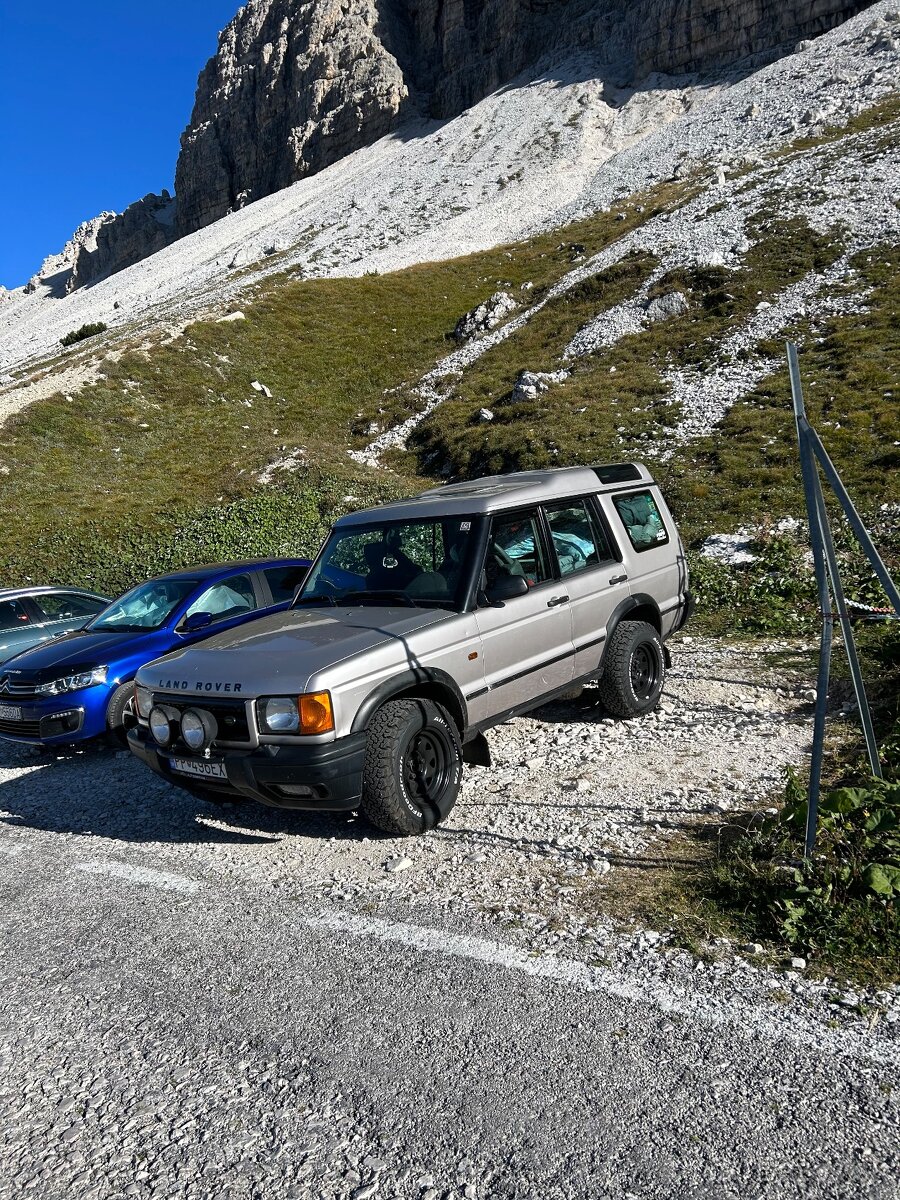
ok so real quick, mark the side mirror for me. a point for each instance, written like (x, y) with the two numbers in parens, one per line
(196, 621)
(506, 587)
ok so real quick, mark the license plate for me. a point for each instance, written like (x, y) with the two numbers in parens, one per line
(202, 768)
(10, 713)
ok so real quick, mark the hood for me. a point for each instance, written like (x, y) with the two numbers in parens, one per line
(81, 650)
(289, 646)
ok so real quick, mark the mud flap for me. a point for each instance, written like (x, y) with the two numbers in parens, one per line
(477, 753)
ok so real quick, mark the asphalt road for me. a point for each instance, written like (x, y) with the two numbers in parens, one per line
(169, 1034)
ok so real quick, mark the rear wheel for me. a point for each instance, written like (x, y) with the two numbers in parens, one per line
(413, 767)
(634, 670)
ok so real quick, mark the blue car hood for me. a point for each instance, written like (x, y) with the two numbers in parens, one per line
(82, 651)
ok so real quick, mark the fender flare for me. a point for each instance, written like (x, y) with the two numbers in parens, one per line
(432, 679)
(620, 613)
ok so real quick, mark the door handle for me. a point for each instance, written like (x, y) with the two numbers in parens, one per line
(557, 600)
(619, 579)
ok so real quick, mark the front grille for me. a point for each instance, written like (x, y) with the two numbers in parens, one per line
(22, 691)
(230, 715)
(20, 728)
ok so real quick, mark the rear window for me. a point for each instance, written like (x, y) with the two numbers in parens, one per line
(643, 522)
(284, 581)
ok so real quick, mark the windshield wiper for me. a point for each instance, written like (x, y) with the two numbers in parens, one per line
(367, 594)
(318, 598)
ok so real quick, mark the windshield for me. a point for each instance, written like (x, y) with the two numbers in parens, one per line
(148, 606)
(416, 563)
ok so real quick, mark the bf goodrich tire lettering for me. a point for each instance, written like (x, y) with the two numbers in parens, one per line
(634, 671)
(413, 766)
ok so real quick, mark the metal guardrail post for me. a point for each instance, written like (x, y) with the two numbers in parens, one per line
(810, 487)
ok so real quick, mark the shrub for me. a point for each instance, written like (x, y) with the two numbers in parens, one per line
(79, 335)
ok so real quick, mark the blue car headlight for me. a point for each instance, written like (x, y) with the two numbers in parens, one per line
(71, 683)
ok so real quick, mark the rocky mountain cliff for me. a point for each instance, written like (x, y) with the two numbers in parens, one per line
(297, 85)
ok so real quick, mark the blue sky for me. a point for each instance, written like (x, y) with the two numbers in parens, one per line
(94, 97)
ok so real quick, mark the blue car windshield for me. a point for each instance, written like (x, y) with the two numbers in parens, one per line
(148, 606)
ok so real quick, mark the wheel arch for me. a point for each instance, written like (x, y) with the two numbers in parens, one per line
(638, 607)
(426, 683)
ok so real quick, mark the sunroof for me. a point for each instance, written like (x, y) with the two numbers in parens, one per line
(617, 472)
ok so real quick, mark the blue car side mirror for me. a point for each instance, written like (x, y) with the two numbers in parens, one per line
(196, 621)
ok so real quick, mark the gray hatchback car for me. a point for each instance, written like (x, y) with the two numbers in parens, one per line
(29, 616)
(421, 625)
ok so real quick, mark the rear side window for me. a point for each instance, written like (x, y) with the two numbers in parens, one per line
(13, 615)
(642, 520)
(284, 581)
(577, 537)
(60, 605)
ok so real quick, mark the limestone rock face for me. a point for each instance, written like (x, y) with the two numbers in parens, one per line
(298, 84)
(294, 87)
(121, 239)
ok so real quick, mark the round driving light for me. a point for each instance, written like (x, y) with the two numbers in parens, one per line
(280, 715)
(196, 731)
(160, 726)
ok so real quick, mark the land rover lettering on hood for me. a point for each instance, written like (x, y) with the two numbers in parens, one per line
(420, 626)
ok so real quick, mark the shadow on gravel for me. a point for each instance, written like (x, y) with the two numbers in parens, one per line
(94, 792)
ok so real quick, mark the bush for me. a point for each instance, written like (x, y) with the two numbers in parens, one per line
(841, 906)
(86, 331)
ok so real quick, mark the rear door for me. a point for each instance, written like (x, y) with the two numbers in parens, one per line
(527, 643)
(595, 580)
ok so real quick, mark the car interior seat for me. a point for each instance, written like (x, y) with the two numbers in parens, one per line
(388, 569)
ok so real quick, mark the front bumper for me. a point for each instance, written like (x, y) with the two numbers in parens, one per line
(56, 720)
(322, 777)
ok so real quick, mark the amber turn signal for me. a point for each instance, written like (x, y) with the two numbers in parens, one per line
(316, 713)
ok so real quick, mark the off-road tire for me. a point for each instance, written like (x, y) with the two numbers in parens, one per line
(634, 670)
(116, 713)
(413, 767)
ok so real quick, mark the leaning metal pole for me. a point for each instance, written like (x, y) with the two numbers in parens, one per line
(837, 587)
(810, 486)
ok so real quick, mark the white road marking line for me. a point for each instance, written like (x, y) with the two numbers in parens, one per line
(160, 879)
(745, 1016)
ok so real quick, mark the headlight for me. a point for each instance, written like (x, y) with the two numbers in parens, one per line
(309, 714)
(279, 715)
(71, 683)
(198, 729)
(143, 700)
(161, 725)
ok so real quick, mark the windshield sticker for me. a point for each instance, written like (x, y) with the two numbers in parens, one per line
(465, 526)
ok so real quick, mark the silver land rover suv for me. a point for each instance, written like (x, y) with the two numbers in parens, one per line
(422, 624)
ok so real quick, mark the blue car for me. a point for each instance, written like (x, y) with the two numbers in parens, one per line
(79, 685)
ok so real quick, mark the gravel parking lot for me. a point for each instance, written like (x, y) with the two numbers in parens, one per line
(250, 1003)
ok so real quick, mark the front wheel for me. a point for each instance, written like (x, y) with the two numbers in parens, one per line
(120, 714)
(413, 767)
(634, 670)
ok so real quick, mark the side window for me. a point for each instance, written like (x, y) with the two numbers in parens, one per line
(284, 581)
(515, 548)
(229, 598)
(578, 538)
(13, 615)
(58, 606)
(642, 520)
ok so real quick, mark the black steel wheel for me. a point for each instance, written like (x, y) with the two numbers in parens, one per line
(413, 766)
(634, 670)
